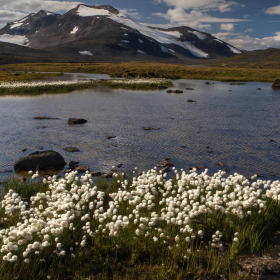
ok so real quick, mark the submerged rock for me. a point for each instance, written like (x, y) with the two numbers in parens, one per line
(71, 149)
(177, 91)
(82, 169)
(76, 121)
(151, 128)
(111, 136)
(40, 161)
(45, 118)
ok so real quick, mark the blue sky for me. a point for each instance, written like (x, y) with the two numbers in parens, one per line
(245, 24)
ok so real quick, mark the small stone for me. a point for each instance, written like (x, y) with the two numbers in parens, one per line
(82, 169)
(41, 148)
(177, 91)
(111, 136)
(95, 174)
(189, 88)
(24, 150)
(221, 164)
(119, 165)
(151, 128)
(169, 91)
(207, 83)
(114, 170)
(209, 152)
(71, 149)
(76, 121)
(259, 89)
(45, 118)
(73, 164)
(190, 100)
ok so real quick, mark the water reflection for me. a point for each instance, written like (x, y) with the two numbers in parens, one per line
(237, 126)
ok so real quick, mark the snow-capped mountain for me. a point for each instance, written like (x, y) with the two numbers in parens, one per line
(103, 31)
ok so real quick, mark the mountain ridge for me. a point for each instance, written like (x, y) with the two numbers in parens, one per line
(101, 31)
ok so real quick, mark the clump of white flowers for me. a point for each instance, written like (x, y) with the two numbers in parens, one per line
(149, 208)
(13, 85)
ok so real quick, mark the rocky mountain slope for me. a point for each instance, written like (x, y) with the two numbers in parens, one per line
(103, 33)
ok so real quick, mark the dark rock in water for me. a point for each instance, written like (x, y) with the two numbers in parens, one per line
(183, 146)
(271, 140)
(225, 169)
(111, 136)
(207, 147)
(273, 175)
(95, 174)
(168, 158)
(165, 163)
(114, 170)
(151, 128)
(169, 91)
(43, 127)
(76, 121)
(207, 83)
(165, 169)
(209, 152)
(189, 88)
(161, 87)
(232, 84)
(276, 83)
(41, 161)
(24, 150)
(82, 169)
(68, 170)
(241, 84)
(177, 91)
(221, 164)
(119, 165)
(108, 175)
(190, 100)
(45, 118)
(259, 89)
(41, 148)
(73, 164)
(201, 167)
(71, 149)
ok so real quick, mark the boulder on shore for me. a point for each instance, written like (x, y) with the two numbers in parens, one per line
(41, 161)
(276, 83)
(76, 121)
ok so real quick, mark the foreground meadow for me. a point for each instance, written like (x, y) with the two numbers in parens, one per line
(145, 227)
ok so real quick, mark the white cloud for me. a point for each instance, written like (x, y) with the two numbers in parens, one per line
(17, 9)
(131, 13)
(6, 16)
(273, 10)
(249, 43)
(227, 26)
(249, 30)
(206, 5)
(194, 19)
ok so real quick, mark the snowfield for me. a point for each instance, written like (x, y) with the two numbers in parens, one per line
(14, 39)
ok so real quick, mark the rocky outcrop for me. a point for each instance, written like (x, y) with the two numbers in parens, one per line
(76, 121)
(276, 83)
(40, 161)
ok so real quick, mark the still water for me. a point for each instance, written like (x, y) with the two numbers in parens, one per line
(237, 126)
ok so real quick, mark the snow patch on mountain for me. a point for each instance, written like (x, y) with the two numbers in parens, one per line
(140, 51)
(234, 50)
(164, 49)
(85, 53)
(85, 11)
(74, 31)
(14, 39)
(199, 35)
(16, 24)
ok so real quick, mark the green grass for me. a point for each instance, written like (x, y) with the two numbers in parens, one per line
(232, 73)
(124, 257)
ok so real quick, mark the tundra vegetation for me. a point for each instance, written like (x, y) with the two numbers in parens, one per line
(232, 72)
(144, 227)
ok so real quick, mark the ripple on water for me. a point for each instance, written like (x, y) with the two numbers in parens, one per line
(237, 126)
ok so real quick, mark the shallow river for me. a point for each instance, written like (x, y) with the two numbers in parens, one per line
(237, 125)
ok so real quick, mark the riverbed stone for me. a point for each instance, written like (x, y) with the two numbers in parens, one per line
(82, 169)
(276, 83)
(76, 121)
(151, 128)
(45, 118)
(71, 149)
(41, 161)
(177, 91)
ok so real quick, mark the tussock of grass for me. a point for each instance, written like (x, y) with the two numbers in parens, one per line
(25, 89)
(12, 75)
(235, 221)
(149, 69)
